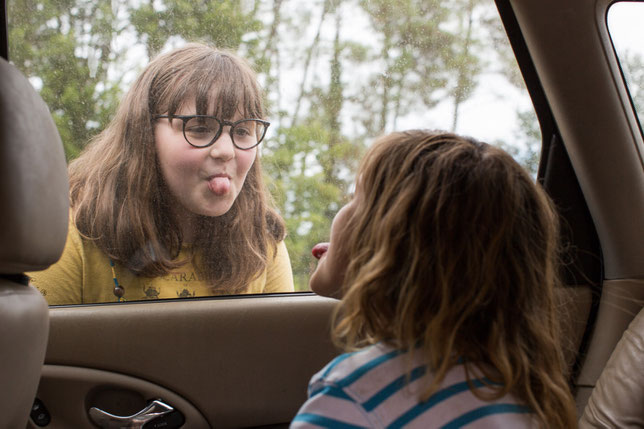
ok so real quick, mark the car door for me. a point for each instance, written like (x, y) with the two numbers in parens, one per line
(229, 362)
(581, 81)
(244, 361)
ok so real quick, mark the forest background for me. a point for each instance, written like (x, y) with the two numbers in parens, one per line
(337, 74)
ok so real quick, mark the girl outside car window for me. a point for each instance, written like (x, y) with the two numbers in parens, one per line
(169, 201)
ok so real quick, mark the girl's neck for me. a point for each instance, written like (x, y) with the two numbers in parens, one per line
(187, 223)
(188, 230)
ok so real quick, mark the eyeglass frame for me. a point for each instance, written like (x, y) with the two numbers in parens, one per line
(222, 123)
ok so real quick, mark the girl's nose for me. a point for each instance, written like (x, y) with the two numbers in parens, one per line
(223, 148)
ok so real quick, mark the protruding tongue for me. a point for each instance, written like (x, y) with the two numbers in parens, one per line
(319, 250)
(219, 185)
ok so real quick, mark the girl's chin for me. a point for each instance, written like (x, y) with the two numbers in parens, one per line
(324, 283)
(216, 209)
(216, 213)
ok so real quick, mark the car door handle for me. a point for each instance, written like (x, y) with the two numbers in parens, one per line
(136, 421)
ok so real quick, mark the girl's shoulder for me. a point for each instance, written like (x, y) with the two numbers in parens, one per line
(349, 367)
(83, 244)
(386, 386)
(75, 238)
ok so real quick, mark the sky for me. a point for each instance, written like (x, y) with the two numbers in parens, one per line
(625, 25)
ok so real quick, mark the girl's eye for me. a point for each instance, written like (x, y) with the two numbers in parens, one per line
(198, 130)
(242, 131)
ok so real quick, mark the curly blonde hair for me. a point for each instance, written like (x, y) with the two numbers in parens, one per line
(118, 195)
(454, 247)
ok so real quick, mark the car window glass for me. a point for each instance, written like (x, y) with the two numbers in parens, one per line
(626, 31)
(336, 75)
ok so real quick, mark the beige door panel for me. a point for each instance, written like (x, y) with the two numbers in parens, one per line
(239, 361)
(620, 302)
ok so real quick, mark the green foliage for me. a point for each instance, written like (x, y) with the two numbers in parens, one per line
(306, 170)
(633, 66)
(417, 54)
(219, 23)
(65, 45)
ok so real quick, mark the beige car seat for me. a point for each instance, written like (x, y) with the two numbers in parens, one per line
(617, 401)
(34, 204)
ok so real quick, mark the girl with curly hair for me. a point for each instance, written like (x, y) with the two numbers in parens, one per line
(445, 261)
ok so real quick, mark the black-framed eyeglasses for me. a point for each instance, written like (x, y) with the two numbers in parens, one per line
(204, 130)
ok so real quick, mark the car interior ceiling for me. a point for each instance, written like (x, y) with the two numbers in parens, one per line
(574, 178)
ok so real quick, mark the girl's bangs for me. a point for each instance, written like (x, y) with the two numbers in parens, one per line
(219, 87)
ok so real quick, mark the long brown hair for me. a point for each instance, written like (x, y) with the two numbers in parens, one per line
(118, 195)
(454, 247)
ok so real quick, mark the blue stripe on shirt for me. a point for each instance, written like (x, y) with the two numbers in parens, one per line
(335, 362)
(485, 411)
(324, 422)
(334, 391)
(393, 387)
(330, 367)
(362, 370)
(436, 398)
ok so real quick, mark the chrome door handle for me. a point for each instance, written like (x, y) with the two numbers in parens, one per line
(135, 421)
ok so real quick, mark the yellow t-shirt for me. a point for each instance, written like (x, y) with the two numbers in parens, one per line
(84, 275)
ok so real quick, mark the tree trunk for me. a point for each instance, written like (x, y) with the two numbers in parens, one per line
(462, 79)
(386, 78)
(307, 62)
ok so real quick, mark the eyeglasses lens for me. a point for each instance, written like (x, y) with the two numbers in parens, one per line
(201, 131)
(248, 133)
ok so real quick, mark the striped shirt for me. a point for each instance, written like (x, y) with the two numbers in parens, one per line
(370, 388)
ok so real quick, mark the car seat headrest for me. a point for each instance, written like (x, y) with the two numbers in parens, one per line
(34, 189)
